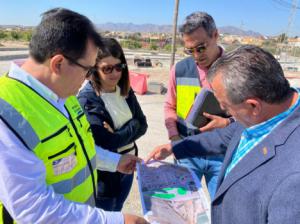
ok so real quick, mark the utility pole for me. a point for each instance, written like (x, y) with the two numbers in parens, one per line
(294, 7)
(174, 32)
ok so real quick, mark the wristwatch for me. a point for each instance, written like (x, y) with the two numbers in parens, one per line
(231, 120)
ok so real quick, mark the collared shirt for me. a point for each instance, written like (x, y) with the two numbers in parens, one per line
(31, 200)
(254, 135)
(170, 103)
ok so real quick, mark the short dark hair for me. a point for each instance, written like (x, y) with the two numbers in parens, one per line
(197, 20)
(62, 31)
(111, 47)
(250, 71)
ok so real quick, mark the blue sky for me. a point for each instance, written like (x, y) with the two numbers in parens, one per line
(269, 17)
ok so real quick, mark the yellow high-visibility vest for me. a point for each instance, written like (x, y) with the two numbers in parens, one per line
(64, 144)
(187, 86)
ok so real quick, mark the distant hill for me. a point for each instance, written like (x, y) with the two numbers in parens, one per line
(15, 26)
(130, 27)
(237, 31)
(151, 28)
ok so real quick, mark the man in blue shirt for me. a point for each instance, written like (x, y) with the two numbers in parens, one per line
(260, 178)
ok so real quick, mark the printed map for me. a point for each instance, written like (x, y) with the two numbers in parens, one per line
(171, 194)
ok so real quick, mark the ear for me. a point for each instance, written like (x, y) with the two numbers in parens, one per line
(254, 105)
(216, 34)
(56, 63)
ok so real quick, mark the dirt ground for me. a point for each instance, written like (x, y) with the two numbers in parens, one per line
(155, 74)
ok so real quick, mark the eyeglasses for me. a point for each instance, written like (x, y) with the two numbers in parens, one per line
(90, 69)
(108, 69)
(200, 49)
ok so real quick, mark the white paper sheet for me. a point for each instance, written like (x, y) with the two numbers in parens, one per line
(171, 194)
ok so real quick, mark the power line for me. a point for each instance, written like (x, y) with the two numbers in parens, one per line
(287, 4)
(294, 7)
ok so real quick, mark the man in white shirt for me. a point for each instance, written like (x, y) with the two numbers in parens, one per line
(62, 54)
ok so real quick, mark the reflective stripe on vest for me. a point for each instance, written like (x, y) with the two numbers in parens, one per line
(187, 86)
(21, 128)
(66, 186)
(65, 145)
(91, 201)
(189, 81)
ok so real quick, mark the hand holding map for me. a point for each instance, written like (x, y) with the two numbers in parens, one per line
(171, 194)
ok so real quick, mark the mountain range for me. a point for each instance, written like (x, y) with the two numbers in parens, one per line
(153, 28)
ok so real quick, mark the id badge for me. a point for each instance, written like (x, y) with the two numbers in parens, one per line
(64, 165)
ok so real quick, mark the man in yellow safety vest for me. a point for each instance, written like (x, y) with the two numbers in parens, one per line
(48, 158)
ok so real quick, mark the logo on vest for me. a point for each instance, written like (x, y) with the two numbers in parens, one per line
(77, 109)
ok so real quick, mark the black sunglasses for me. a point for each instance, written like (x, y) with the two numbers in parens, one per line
(200, 49)
(108, 69)
(90, 69)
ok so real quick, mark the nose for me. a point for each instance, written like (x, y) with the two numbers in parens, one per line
(114, 71)
(196, 54)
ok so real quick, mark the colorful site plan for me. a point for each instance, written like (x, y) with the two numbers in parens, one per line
(171, 194)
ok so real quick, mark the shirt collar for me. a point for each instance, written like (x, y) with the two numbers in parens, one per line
(16, 72)
(266, 126)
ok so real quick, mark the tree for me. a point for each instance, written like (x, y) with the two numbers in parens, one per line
(153, 46)
(135, 36)
(15, 35)
(132, 44)
(282, 38)
(270, 45)
(27, 35)
(3, 34)
(168, 47)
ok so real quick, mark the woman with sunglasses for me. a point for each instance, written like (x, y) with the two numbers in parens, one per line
(115, 117)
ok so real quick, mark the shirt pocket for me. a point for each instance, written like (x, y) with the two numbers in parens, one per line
(58, 152)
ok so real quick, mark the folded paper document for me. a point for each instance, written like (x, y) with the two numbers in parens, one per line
(171, 194)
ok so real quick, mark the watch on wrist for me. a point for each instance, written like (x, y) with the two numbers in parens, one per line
(231, 120)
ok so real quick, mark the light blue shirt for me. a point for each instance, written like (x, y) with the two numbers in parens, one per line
(254, 135)
(23, 189)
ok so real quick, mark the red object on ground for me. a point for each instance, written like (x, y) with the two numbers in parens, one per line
(138, 82)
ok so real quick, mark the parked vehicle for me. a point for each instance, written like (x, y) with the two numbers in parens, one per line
(292, 69)
(142, 62)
